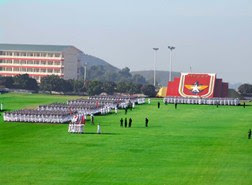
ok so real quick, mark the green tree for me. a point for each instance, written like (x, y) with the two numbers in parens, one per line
(149, 90)
(7, 82)
(25, 82)
(94, 88)
(139, 79)
(109, 87)
(245, 89)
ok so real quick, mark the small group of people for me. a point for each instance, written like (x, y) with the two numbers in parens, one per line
(130, 122)
(125, 122)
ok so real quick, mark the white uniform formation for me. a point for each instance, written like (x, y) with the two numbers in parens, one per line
(38, 116)
(66, 112)
(204, 101)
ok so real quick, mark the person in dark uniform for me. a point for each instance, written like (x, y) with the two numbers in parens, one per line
(126, 110)
(125, 122)
(176, 105)
(92, 119)
(158, 105)
(130, 122)
(249, 134)
(217, 105)
(165, 102)
(146, 122)
(244, 104)
(121, 121)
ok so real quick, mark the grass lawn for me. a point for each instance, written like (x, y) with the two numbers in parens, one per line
(195, 144)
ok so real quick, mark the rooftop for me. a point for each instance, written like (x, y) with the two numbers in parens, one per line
(31, 47)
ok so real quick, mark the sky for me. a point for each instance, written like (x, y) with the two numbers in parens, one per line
(211, 36)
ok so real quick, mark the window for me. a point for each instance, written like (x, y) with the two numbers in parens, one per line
(37, 54)
(30, 62)
(8, 69)
(16, 62)
(57, 54)
(43, 54)
(56, 63)
(49, 70)
(9, 61)
(15, 69)
(23, 61)
(36, 70)
(23, 69)
(23, 54)
(50, 55)
(36, 62)
(1, 53)
(30, 54)
(42, 70)
(50, 62)
(16, 53)
(43, 62)
(56, 71)
(9, 53)
(29, 70)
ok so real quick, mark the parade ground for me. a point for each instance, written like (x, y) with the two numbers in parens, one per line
(193, 144)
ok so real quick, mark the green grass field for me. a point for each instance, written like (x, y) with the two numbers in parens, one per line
(195, 144)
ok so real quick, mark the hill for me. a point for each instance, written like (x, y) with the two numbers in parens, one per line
(161, 76)
(95, 61)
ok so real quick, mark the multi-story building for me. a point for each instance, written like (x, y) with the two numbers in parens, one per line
(40, 60)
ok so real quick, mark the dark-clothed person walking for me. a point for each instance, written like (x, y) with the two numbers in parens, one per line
(130, 122)
(176, 105)
(158, 105)
(126, 110)
(244, 104)
(249, 134)
(146, 122)
(121, 121)
(125, 122)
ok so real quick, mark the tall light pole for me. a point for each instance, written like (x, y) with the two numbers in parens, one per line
(171, 48)
(155, 61)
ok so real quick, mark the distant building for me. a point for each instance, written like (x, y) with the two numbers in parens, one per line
(40, 60)
(197, 85)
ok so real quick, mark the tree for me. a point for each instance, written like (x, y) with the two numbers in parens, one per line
(245, 89)
(149, 90)
(7, 82)
(109, 87)
(125, 73)
(94, 88)
(25, 82)
(55, 83)
(139, 79)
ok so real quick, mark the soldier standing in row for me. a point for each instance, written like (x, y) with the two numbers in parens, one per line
(92, 119)
(121, 121)
(130, 122)
(125, 122)
(126, 110)
(146, 122)
(249, 134)
(158, 105)
(176, 104)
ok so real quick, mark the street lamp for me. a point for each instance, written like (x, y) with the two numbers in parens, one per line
(155, 61)
(171, 48)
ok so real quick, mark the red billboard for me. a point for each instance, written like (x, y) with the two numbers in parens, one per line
(197, 85)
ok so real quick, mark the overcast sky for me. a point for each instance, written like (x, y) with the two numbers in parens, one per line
(212, 36)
